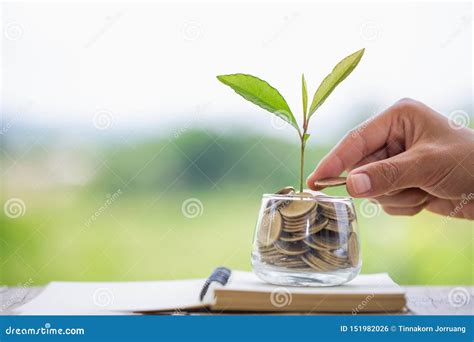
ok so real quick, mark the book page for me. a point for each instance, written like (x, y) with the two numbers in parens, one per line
(103, 297)
(379, 283)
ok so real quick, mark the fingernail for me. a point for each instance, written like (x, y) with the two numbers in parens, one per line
(360, 183)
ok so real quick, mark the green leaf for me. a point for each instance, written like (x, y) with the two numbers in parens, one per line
(305, 95)
(306, 137)
(337, 75)
(260, 93)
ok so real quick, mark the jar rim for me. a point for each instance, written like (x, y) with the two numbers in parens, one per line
(315, 197)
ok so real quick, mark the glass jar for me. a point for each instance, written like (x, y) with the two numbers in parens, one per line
(306, 239)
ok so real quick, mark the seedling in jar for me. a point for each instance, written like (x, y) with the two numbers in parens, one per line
(262, 94)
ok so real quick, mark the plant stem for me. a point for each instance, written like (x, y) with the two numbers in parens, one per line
(303, 145)
(302, 164)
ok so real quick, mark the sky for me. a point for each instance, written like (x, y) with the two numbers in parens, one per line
(150, 67)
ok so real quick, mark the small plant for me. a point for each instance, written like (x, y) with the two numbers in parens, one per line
(267, 97)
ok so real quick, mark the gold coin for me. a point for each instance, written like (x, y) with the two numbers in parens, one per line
(312, 213)
(306, 230)
(298, 207)
(294, 265)
(304, 194)
(339, 216)
(327, 182)
(333, 259)
(269, 252)
(312, 259)
(313, 229)
(316, 258)
(289, 261)
(319, 225)
(291, 248)
(326, 204)
(302, 224)
(274, 204)
(329, 214)
(311, 243)
(326, 239)
(270, 228)
(353, 249)
(310, 216)
(264, 249)
(339, 227)
(287, 190)
(293, 230)
(298, 227)
(271, 258)
(308, 262)
(291, 237)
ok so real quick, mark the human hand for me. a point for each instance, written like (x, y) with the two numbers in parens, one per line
(408, 158)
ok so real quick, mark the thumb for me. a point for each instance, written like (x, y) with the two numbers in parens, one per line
(384, 176)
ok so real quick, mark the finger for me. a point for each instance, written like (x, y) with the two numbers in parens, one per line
(452, 208)
(409, 211)
(398, 172)
(394, 192)
(376, 156)
(405, 198)
(355, 146)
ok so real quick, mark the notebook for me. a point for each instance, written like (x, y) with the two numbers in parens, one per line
(241, 292)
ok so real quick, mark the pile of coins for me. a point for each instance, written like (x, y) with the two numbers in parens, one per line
(307, 233)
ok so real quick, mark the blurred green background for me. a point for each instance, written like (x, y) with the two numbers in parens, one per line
(113, 210)
(114, 122)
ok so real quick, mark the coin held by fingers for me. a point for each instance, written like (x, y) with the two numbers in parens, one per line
(329, 182)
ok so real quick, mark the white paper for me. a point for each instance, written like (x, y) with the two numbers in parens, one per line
(99, 297)
(379, 283)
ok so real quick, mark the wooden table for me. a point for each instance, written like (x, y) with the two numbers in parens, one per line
(421, 300)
